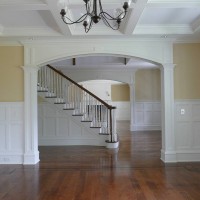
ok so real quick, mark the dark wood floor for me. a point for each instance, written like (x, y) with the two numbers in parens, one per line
(95, 173)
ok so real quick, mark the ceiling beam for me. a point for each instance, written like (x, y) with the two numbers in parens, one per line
(173, 3)
(132, 17)
(162, 29)
(1, 29)
(56, 15)
(23, 6)
(196, 25)
(126, 61)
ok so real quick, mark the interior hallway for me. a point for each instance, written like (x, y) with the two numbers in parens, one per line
(96, 173)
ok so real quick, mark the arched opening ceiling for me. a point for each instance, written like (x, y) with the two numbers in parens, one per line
(103, 62)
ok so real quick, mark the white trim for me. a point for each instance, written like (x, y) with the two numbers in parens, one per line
(64, 142)
(168, 156)
(145, 128)
(12, 132)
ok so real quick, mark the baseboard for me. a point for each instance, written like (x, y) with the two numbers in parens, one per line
(168, 156)
(188, 156)
(31, 158)
(145, 127)
(11, 159)
(69, 142)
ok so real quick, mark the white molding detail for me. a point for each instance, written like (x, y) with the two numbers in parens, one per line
(58, 127)
(167, 105)
(147, 116)
(145, 128)
(31, 154)
(187, 128)
(11, 132)
(168, 156)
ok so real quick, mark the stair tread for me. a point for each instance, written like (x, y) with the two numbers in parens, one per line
(86, 121)
(42, 91)
(50, 96)
(95, 126)
(104, 134)
(77, 115)
(68, 108)
(60, 103)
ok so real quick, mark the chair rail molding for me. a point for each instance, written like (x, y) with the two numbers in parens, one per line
(31, 154)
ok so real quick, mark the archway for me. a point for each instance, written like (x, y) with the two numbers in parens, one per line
(38, 58)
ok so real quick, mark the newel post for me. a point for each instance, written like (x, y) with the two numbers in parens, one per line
(31, 153)
(112, 141)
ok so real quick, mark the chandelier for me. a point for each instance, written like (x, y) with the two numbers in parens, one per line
(94, 13)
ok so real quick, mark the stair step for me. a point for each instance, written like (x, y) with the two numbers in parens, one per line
(95, 126)
(68, 108)
(59, 103)
(86, 121)
(42, 91)
(77, 115)
(103, 133)
(50, 97)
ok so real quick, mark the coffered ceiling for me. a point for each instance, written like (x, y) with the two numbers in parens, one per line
(176, 19)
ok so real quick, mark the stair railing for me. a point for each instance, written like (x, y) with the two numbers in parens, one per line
(75, 97)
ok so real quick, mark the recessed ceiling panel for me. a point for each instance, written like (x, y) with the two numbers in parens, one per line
(22, 18)
(169, 15)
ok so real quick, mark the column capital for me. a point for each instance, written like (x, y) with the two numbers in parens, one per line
(168, 66)
(30, 68)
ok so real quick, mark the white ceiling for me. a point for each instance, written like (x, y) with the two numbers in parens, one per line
(176, 19)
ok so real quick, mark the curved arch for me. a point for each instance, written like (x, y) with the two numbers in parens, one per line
(63, 57)
(38, 54)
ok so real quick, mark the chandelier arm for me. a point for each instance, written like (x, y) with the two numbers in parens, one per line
(81, 19)
(109, 17)
(90, 26)
(105, 21)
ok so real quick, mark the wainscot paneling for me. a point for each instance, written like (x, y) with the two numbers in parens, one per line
(122, 109)
(147, 116)
(61, 128)
(11, 132)
(187, 130)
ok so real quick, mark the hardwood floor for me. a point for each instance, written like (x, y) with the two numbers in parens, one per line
(135, 172)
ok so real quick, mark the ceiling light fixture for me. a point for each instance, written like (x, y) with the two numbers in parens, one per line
(94, 13)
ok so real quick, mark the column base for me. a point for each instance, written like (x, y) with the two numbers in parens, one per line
(168, 156)
(31, 158)
(112, 145)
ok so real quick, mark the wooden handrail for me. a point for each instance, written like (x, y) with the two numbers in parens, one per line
(81, 87)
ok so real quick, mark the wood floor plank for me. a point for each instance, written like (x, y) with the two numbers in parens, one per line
(135, 172)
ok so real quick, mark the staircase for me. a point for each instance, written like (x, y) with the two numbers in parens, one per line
(71, 97)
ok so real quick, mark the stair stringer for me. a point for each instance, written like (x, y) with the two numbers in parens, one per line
(53, 120)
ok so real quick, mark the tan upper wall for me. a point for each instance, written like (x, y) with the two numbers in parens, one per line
(187, 71)
(120, 92)
(147, 85)
(11, 75)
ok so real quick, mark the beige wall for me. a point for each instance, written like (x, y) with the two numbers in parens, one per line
(11, 75)
(147, 85)
(120, 92)
(187, 71)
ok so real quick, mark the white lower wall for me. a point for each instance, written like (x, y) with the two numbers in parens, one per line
(61, 128)
(187, 130)
(11, 132)
(123, 111)
(147, 116)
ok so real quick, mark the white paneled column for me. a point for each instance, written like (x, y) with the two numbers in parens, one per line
(132, 102)
(168, 152)
(31, 154)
